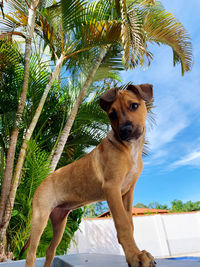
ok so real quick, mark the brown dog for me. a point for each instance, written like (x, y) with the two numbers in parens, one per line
(109, 173)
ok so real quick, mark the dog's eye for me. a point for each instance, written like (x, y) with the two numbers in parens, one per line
(113, 115)
(134, 106)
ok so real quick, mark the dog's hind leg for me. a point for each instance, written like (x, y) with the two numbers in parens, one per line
(39, 222)
(58, 219)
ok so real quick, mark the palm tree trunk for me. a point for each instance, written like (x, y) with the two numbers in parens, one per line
(65, 133)
(22, 153)
(6, 186)
(2, 159)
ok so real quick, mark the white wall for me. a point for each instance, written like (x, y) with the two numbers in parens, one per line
(162, 235)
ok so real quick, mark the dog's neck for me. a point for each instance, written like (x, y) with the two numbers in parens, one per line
(137, 143)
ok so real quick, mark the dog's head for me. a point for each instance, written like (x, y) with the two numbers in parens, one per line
(126, 110)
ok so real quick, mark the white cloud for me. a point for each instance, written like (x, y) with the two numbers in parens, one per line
(191, 159)
(157, 158)
(171, 119)
(165, 133)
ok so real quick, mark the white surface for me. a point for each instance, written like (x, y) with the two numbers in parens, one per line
(162, 235)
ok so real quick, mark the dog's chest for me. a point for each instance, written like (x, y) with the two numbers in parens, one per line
(129, 177)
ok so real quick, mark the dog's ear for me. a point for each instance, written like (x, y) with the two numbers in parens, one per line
(108, 98)
(145, 91)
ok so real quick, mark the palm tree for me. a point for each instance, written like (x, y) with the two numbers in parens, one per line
(62, 48)
(11, 74)
(142, 22)
(36, 166)
(72, 116)
(21, 103)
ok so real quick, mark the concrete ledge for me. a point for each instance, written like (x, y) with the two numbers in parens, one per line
(98, 260)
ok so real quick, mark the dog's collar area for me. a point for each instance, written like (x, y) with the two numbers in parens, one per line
(137, 135)
(112, 135)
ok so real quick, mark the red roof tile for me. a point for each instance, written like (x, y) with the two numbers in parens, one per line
(138, 211)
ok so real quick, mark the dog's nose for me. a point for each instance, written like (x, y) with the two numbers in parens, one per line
(125, 131)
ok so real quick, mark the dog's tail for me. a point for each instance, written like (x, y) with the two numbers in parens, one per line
(25, 246)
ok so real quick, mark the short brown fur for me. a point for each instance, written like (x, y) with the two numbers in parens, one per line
(109, 172)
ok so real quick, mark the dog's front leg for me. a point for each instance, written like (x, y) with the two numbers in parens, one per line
(134, 256)
(128, 202)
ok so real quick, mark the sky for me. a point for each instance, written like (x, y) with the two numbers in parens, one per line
(172, 168)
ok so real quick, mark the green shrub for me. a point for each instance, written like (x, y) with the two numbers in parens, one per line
(36, 169)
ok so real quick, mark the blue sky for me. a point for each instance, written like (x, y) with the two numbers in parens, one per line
(172, 169)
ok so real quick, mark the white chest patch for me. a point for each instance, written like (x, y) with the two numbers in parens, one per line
(129, 177)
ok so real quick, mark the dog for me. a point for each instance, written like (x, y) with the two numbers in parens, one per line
(109, 172)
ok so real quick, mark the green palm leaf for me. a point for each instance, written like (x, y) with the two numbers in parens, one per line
(162, 27)
(20, 5)
(147, 21)
(96, 33)
(36, 168)
(73, 12)
(11, 75)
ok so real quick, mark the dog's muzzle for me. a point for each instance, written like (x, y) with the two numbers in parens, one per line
(127, 132)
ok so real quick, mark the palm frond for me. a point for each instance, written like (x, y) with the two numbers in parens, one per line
(10, 54)
(147, 21)
(99, 10)
(45, 4)
(100, 33)
(131, 3)
(11, 75)
(94, 28)
(46, 29)
(36, 168)
(134, 46)
(73, 12)
(138, 47)
(125, 34)
(9, 23)
(17, 5)
(111, 63)
(162, 27)
(104, 73)
(39, 77)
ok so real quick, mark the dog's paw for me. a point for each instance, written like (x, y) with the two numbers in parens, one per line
(142, 259)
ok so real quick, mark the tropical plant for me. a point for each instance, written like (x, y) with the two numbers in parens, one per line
(54, 114)
(156, 205)
(95, 209)
(62, 48)
(11, 71)
(146, 21)
(176, 206)
(7, 181)
(36, 169)
(179, 206)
